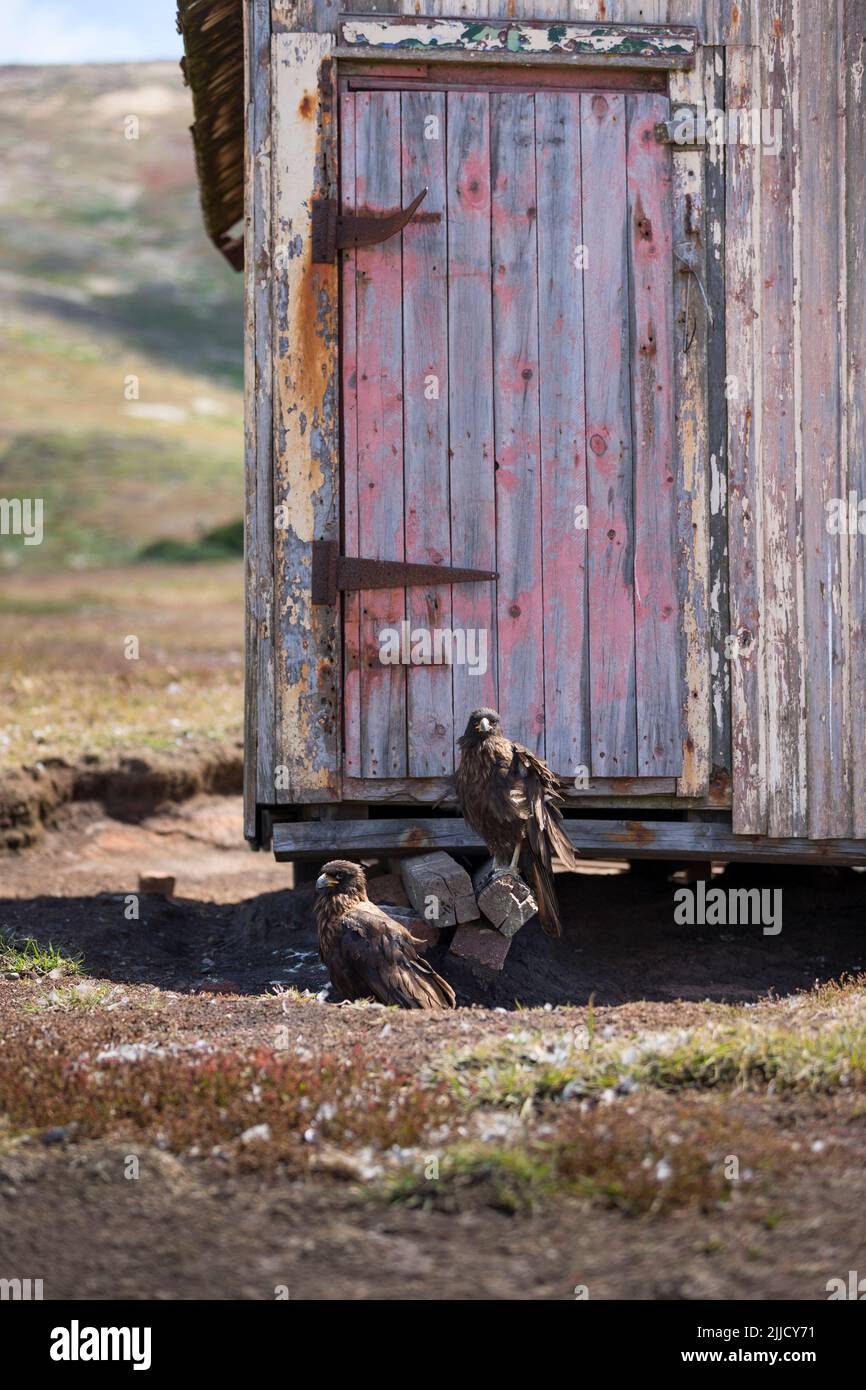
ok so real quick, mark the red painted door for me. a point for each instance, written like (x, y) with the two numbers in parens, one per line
(507, 405)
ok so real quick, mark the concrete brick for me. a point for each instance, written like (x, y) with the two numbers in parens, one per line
(438, 877)
(504, 898)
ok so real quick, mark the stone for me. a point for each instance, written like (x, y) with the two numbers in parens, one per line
(504, 898)
(439, 889)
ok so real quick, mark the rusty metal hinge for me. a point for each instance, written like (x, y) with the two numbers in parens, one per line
(333, 572)
(335, 231)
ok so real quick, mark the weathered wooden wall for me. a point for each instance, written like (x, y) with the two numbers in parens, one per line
(794, 239)
(780, 431)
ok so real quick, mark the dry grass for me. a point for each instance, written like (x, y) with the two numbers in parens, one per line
(646, 1158)
(66, 687)
(813, 1042)
(645, 1125)
(265, 1108)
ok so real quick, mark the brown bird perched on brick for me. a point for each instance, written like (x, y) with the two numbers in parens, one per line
(511, 799)
(366, 951)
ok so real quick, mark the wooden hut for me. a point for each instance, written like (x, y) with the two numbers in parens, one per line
(614, 358)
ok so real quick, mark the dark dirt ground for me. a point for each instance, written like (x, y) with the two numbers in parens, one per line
(204, 966)
(236, 909)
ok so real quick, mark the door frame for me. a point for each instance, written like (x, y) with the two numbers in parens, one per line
(294, 696)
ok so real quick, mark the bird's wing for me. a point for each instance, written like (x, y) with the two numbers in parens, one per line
(536, 774)
(545, 831)
(486, 784)
(382, 958)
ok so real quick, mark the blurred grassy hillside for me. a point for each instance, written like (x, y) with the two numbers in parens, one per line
(121, 350)
(121, 357)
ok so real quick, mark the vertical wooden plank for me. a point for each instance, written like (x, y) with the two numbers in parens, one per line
(260, 758)
(561, 255)
(520, 611)
(383, 7)
(430, 723)
(712, 166)
(261, 750)
(782, 530)
(701, 13)
(257, 472)
(824, 466)
(349, 371)
(608, 432)
(319, 16)
(689, 358)
(470, 387)
(380, 433)
(743, 344)
(738, 22)
(855, 225)
(449, 8)
(306, 444)
(613, 11)
(659, 693)
(250, 649)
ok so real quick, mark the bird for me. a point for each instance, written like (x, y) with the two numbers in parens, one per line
(366, 951)
(511, 799)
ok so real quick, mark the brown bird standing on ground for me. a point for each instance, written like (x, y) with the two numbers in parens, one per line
(511, 799)
(366, 951)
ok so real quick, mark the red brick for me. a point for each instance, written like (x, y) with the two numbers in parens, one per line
(156, 885)
(481, 946)
(425, 932)
(387, 889)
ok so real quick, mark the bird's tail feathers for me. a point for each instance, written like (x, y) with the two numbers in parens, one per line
(437, 990)
(545, 897)
(558, 840)
(538, 871)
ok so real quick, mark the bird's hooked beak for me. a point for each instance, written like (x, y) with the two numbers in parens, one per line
(325, 881)
(484, 725)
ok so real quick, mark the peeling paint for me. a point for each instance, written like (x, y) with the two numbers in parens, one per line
(473, 36)
(305, 415)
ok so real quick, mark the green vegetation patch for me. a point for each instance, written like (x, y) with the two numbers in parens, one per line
(28, 957)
